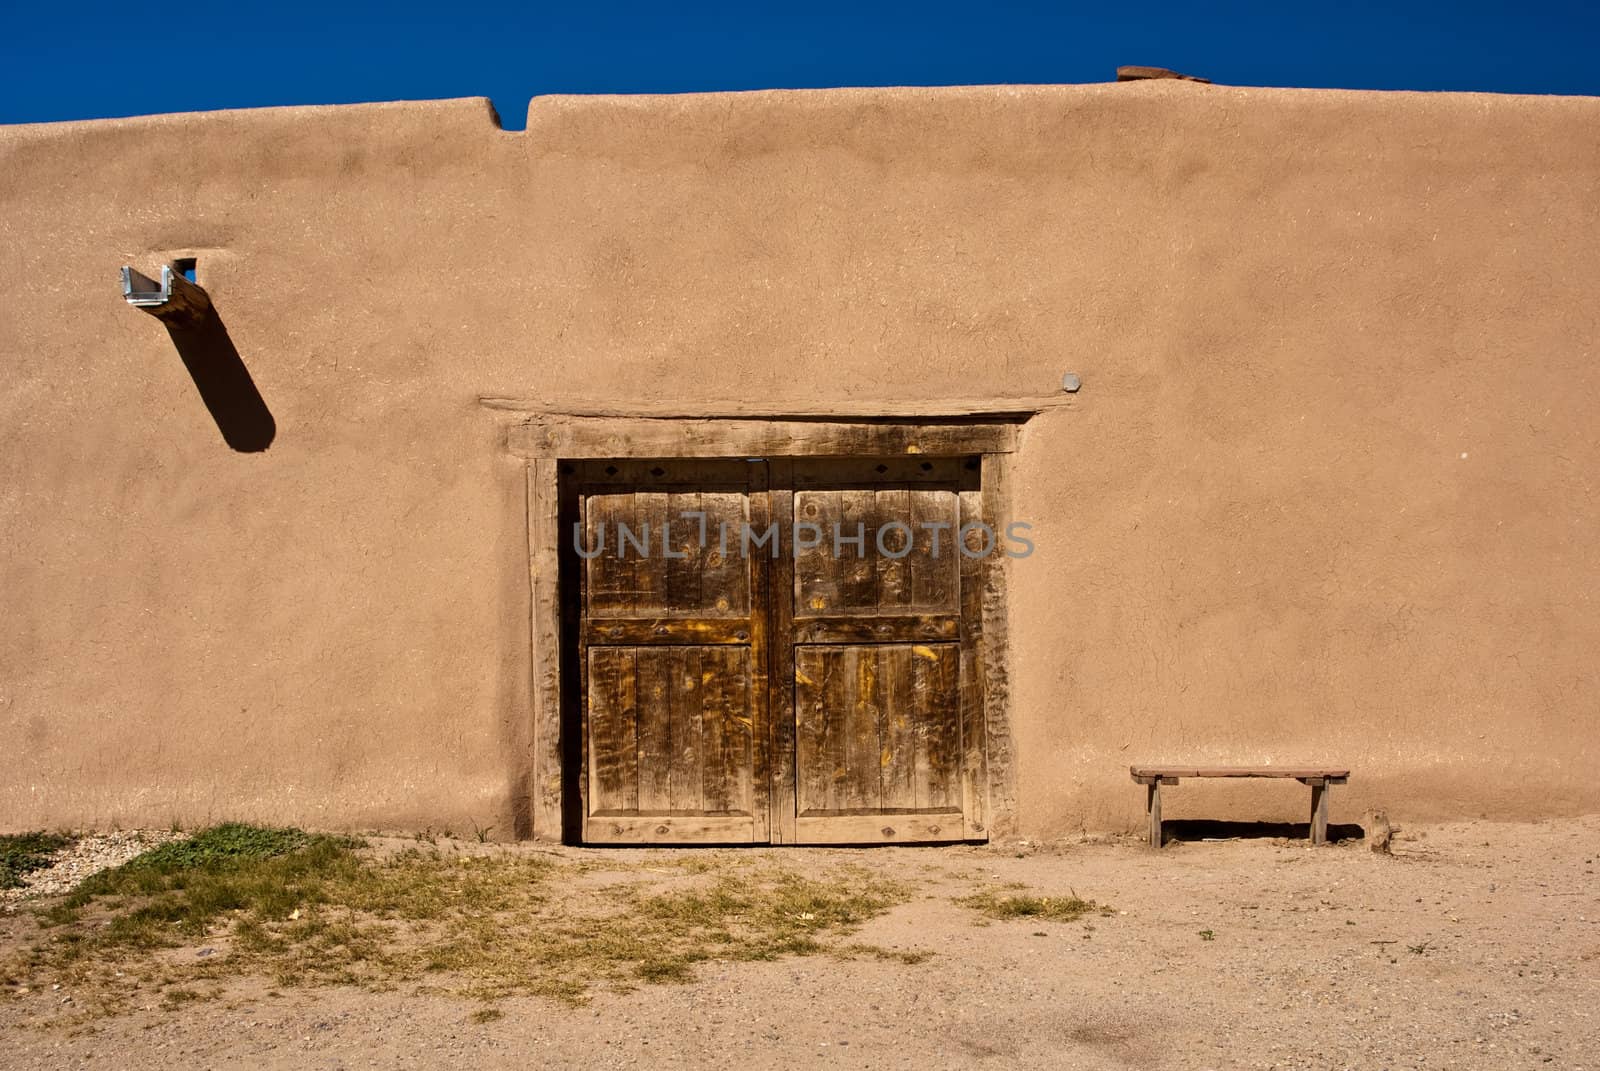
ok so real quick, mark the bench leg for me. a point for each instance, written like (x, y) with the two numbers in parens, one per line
(1319, 812)
(1152, 803)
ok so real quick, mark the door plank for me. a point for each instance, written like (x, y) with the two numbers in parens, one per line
(720, 739)
(819, 727)
(686, 708)
(817, 571)
(894, 574)
(611, 585)
(858, 576)
(935, 573)
(681, 535)
(935, 676)
(613, 730)
(728, 730)
(899, 759)
(655, 729)
(863, 782)
(649, 570)
(725, 573)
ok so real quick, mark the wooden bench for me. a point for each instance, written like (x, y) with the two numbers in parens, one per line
(1318, 777)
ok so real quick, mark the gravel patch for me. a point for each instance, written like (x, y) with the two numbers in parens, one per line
(91, 853)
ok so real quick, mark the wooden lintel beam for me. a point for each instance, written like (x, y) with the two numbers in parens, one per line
(606, 437)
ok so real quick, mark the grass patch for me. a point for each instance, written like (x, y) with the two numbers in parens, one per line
(181, 888)
(219, 845)
(302, 909)
(23, 853)
(997, 905)
(633, 933)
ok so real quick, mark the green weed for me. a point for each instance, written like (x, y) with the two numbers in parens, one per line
(22, 853)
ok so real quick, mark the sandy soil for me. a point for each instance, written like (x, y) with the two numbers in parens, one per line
(1475, 946)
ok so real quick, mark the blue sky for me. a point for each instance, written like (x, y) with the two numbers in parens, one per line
(68, 60)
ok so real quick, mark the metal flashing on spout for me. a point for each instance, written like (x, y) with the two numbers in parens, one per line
(175, 300)
(139, 289)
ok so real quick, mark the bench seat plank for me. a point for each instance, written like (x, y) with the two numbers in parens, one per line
(1295, 772)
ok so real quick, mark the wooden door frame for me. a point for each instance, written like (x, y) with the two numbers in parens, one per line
(545, 442)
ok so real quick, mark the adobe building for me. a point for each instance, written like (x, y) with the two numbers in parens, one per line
(299, 547)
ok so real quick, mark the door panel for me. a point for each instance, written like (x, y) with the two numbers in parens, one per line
(635, 576)
(884, 656)
(674, 661)
(898, 566)
(879, 734)
(670, 730)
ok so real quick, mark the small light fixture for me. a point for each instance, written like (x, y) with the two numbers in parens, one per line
(1070, 382)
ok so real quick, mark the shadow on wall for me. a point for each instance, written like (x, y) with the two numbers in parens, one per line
(224, 383)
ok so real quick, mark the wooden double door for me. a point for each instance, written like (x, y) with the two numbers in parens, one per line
(779, 650)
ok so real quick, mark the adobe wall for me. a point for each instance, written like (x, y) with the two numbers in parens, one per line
(1327, 493)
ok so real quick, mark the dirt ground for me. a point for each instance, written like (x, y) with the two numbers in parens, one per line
(1474, 946)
